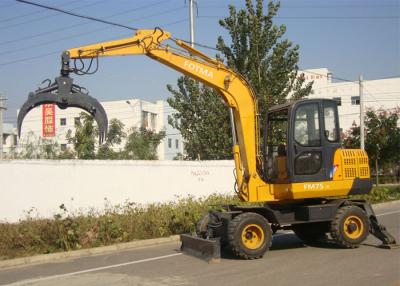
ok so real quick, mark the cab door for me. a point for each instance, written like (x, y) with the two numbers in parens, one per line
(314, 139)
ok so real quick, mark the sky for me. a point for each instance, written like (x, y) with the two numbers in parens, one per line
(349, 38)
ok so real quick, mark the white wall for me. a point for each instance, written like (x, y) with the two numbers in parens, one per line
(45, 185)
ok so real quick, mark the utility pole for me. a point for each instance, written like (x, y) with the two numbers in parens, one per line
(362, 137)
(2, 99)
(191, 22)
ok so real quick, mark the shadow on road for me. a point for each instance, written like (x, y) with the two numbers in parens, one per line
(290, 240)
(286, 241)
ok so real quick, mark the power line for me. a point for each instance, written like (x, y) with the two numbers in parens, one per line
(387, 77)
(8, 5)
(34, 13)
(29, 58)
(80, 23)
(12, 51)
(96, 19)
(77, 15)
(47, 17)
(284, 6)
(85, 33)
(89, 32)
(316, 17)
(331, 76)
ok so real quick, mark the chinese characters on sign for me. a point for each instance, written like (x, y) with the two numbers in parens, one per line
(48, 120)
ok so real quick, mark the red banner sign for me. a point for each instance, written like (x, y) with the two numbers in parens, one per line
(48, 120)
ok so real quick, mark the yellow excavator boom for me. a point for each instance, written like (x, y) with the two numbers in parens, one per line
(234, 89)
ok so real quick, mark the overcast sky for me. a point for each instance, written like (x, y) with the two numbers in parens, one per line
(347, 37)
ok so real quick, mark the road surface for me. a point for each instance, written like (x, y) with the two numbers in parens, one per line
(289, 262)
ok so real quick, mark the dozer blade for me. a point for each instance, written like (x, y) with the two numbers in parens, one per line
(207, 249)
(65, 94)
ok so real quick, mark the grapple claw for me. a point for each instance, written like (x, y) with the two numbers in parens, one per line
(65, 94)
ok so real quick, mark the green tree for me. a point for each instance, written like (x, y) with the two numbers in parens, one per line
(259, 52)
(202, 120)
(84, 138)
(142, 144)
(37, 148)
(66, 154)
(115, 135)
(48, 149)
(382, 138)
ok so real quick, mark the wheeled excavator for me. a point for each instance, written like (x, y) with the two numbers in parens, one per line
(299, 175)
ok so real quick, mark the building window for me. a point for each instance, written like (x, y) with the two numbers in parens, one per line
(63, 121)
(338, 101)
(145, 119)
(153, 121)
(63, 147)
(169, 142)
(77, 121)
(355, 100)
(176, 143)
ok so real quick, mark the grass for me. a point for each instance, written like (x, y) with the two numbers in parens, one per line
(117, 223)
(382, 194)
(120, 223)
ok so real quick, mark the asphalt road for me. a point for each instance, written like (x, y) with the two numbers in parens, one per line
(289, 262)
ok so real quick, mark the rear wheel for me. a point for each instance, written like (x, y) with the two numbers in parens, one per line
(311, 233)
(249, 235)
(350, 227)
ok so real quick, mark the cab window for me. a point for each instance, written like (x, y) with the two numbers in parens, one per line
(330, 121)
(276, 145)
(306, 129)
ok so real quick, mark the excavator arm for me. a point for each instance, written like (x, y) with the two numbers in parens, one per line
(234, 89)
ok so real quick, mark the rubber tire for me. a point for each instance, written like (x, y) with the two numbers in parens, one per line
(202, 225)
(337, 227)
(235, 229)
(311, 233)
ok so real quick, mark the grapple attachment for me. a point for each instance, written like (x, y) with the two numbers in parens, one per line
(65, 94)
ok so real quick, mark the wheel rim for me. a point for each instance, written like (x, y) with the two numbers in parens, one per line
(252, 236)
(353, 227)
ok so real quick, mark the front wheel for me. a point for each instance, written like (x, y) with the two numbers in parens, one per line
(350, 227)
(249, 235)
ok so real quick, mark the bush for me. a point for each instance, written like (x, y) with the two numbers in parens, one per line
(119, 223)
(381, 194)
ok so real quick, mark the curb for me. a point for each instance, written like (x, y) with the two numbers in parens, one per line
(59, 256)
(386, 204)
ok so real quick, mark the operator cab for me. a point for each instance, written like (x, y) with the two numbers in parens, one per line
(300, 140)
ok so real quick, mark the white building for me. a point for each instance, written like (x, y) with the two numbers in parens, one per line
(132, 113)
(378, 94)
(9, 138)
